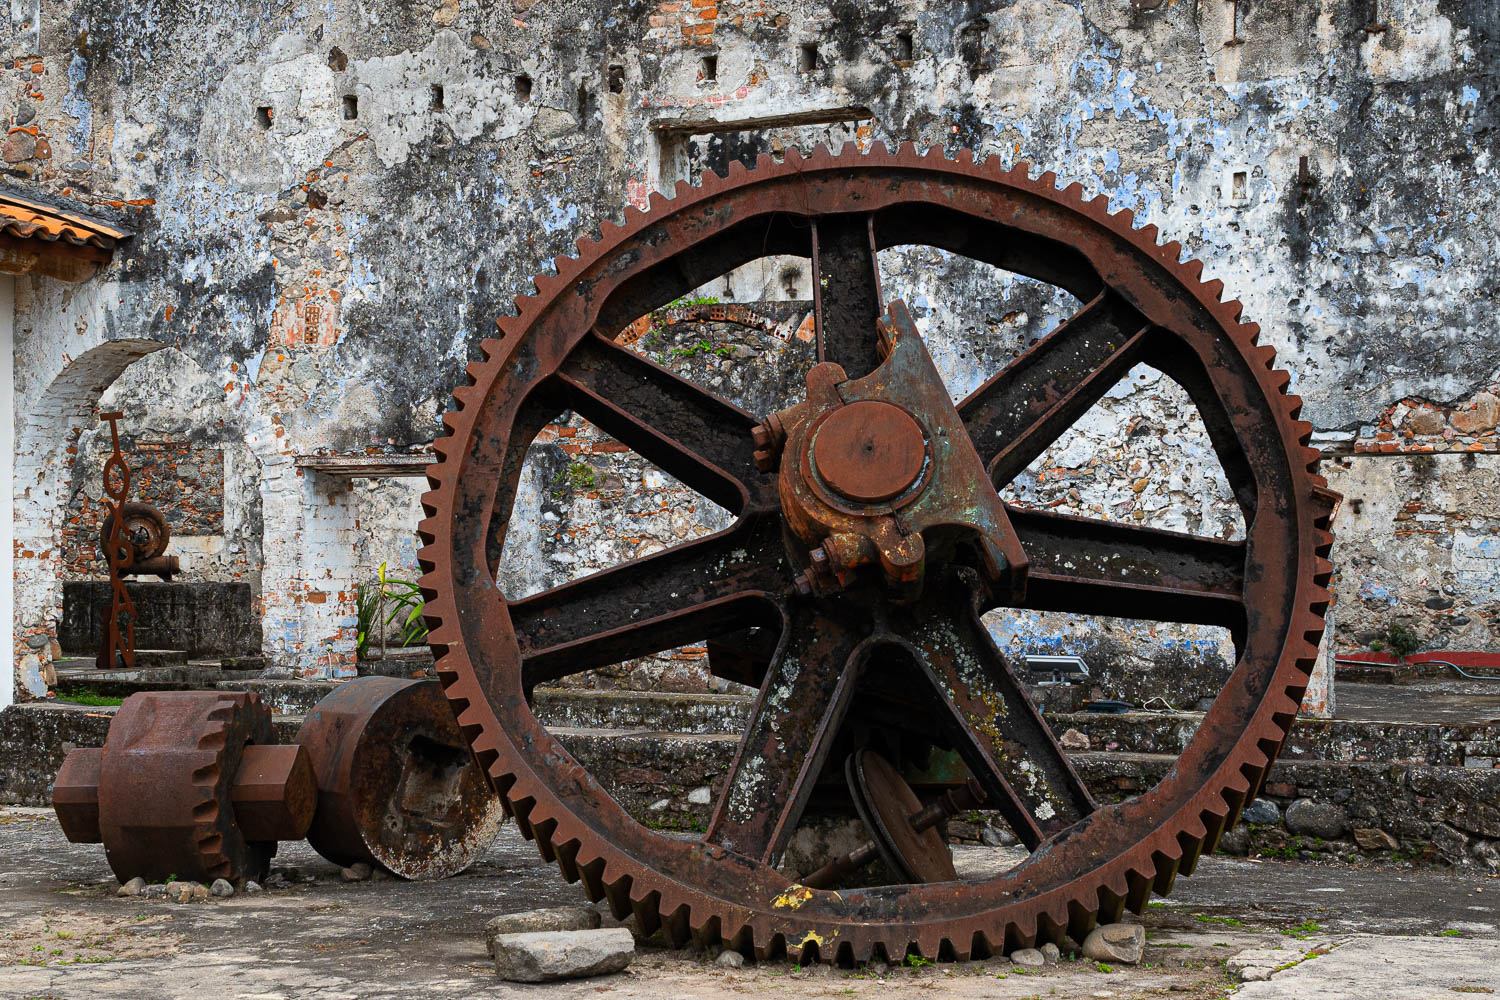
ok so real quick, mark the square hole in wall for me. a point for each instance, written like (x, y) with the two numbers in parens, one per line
(708, 69)
(263, 117)
(437, 97)
(523, 88)
(905, 47)
(807, 57)
(616, 79)
(351, 107)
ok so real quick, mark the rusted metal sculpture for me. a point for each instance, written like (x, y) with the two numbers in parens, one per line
(133, 538)
(398, 785)
(872, 552)
(188, 783)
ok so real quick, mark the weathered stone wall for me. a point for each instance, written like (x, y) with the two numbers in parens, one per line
(334, 203)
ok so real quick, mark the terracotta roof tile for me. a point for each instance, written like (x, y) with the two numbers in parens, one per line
(34, 220)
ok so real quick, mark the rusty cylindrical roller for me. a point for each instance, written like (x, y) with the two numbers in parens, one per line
(398, 786)
(188, 783)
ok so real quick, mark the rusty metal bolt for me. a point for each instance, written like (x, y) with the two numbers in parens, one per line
(769, 438)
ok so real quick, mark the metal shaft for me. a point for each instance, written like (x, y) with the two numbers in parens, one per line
(954, 800)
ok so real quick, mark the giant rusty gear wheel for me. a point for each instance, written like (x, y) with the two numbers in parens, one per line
(870, 532)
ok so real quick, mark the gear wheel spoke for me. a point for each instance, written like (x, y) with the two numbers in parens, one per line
(688, 431)
(1082, 565)
(992, 723)
(882, 566)
(846, 292)
(716, 584)
(1014, 416)
(796, 716)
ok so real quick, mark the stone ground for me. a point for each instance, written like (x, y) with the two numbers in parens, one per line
(1407, 934)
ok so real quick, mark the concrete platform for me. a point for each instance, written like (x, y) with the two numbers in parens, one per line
(1385, 934)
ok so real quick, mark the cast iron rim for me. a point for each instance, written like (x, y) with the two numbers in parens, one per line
(559, 347)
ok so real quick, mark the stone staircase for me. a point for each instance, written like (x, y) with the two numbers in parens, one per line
(1403, 789)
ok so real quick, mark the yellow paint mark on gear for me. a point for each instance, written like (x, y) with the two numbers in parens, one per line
(793, 898)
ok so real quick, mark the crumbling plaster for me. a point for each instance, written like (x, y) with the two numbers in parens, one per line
(334, 273)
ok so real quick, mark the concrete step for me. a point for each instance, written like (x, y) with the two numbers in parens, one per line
(669, 781)
(1471, 744)
(284, 696)
(667, 711)
(144, 660)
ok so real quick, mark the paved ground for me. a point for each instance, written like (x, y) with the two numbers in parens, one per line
(1450, 701)
(328, 939)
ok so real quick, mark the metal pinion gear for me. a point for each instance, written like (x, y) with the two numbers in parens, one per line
(870, 536)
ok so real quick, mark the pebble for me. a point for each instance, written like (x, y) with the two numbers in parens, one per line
(132, 888)
(1050, 953)
(1123, 943)
(547, 955)
(730, 960)
(1029, 958)
(555, 918)
(252, 887)
(275, 878)
(157, 891)
(221, 888)
(357, 872)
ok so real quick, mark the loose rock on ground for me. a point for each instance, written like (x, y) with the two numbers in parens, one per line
(1123, 943)
(1030, 958)
(546, 955)
(555, 918)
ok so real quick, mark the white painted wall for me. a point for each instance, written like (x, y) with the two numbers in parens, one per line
(8, 456)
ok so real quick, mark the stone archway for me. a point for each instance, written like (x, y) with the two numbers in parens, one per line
(47, 432)
(57, 430)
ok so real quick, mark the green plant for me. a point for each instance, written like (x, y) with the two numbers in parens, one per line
(578, 476)
(407, 597)
(1306, 929)
(88, 696)
(1102, 967)
(915, 961)
(1228, 921)
(1451, 932)
(1402, 640)
(366, 603)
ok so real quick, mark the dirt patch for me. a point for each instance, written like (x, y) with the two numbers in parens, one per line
(63, 937)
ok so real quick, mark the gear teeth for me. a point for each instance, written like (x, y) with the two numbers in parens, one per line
(679, 914)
